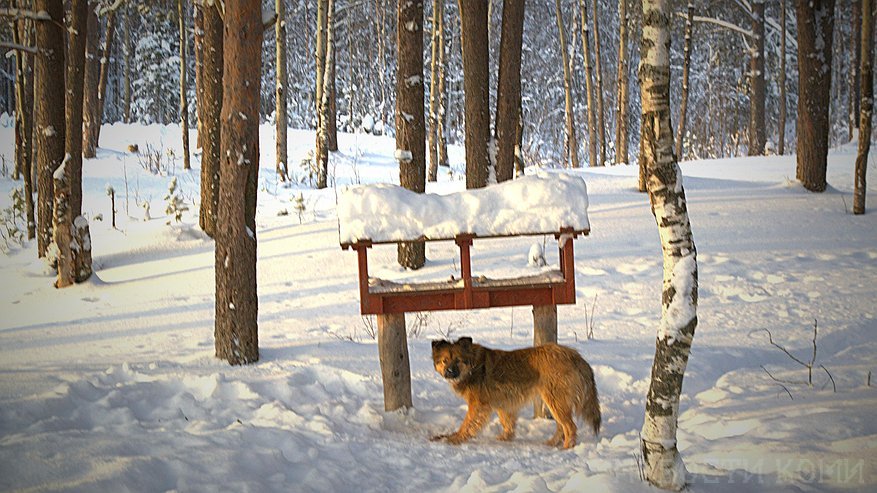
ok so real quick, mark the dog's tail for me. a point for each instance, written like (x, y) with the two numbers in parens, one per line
(587, 405)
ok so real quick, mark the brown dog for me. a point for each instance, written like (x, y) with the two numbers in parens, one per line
(491, 379)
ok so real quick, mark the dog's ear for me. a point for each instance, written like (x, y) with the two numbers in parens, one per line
(439, 344)
(465, 341)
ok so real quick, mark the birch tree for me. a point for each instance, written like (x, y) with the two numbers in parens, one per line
(236, 328)
(663, 466)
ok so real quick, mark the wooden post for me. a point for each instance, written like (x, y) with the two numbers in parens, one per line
(544, 331)
(395, 369)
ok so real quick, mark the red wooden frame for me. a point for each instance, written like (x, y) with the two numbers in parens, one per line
(471, 295)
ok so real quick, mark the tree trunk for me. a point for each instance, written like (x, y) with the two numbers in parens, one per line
(92, 78)
(332, 112)
(544, 332)
(855, 64)
(380, 32)
(586, 53)
(867, 105)
(30, 169)
(519, 143)
(321, 153)
(598, 72)
(508, 91)
(198, 24)
(326, 115)
(74, 81)
(815, 29)
(280, 119)
(473, 18)
(395, 365)
(686, 68)
(48, 113)
(621, 134)
(442, 144)
(63, 226)
(781, 146)
(22, 141)
(212, 80)
(570, 143)
(104, 75)
(24, 119)
(663, 466)
(127, 50)
(410, 128)
(184, 101)
(434, 96)
(757, 129)
(236, 329)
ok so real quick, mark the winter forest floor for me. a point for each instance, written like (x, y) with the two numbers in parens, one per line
(112, 385)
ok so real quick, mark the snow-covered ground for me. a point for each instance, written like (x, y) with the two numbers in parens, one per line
(112, 385)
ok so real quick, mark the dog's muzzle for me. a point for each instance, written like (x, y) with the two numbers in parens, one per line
(451, 372)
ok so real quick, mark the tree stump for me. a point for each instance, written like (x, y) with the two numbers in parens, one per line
(395, 368)
(544, 331)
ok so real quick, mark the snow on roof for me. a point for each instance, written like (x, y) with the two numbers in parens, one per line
(537, 204)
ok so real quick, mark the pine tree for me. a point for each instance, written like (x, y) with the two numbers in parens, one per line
(212, 94)
(473, 17)
(49, 118)
(508, 91)
(410, 127)
(236, 328)
(815, 29)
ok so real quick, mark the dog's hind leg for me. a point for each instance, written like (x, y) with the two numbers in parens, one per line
(508, 420)
(566, 425)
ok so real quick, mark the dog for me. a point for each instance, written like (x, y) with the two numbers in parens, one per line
(504, 381)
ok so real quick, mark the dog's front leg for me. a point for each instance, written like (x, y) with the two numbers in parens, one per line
(476, 417)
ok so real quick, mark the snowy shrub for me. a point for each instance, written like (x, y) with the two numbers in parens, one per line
(12, 216)
(175, 205)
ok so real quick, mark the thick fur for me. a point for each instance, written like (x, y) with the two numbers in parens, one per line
(504, 381)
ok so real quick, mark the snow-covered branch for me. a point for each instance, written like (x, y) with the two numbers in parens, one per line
(719, 22)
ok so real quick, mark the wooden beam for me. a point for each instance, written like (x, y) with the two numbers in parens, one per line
(544, 331)
(395, 368)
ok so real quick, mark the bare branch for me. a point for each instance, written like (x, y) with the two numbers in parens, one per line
(25, 14)
(833, 385)
(781, 348)
(777, 380)
(18, 47)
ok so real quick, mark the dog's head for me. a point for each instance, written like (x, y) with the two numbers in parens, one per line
(453, 360)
